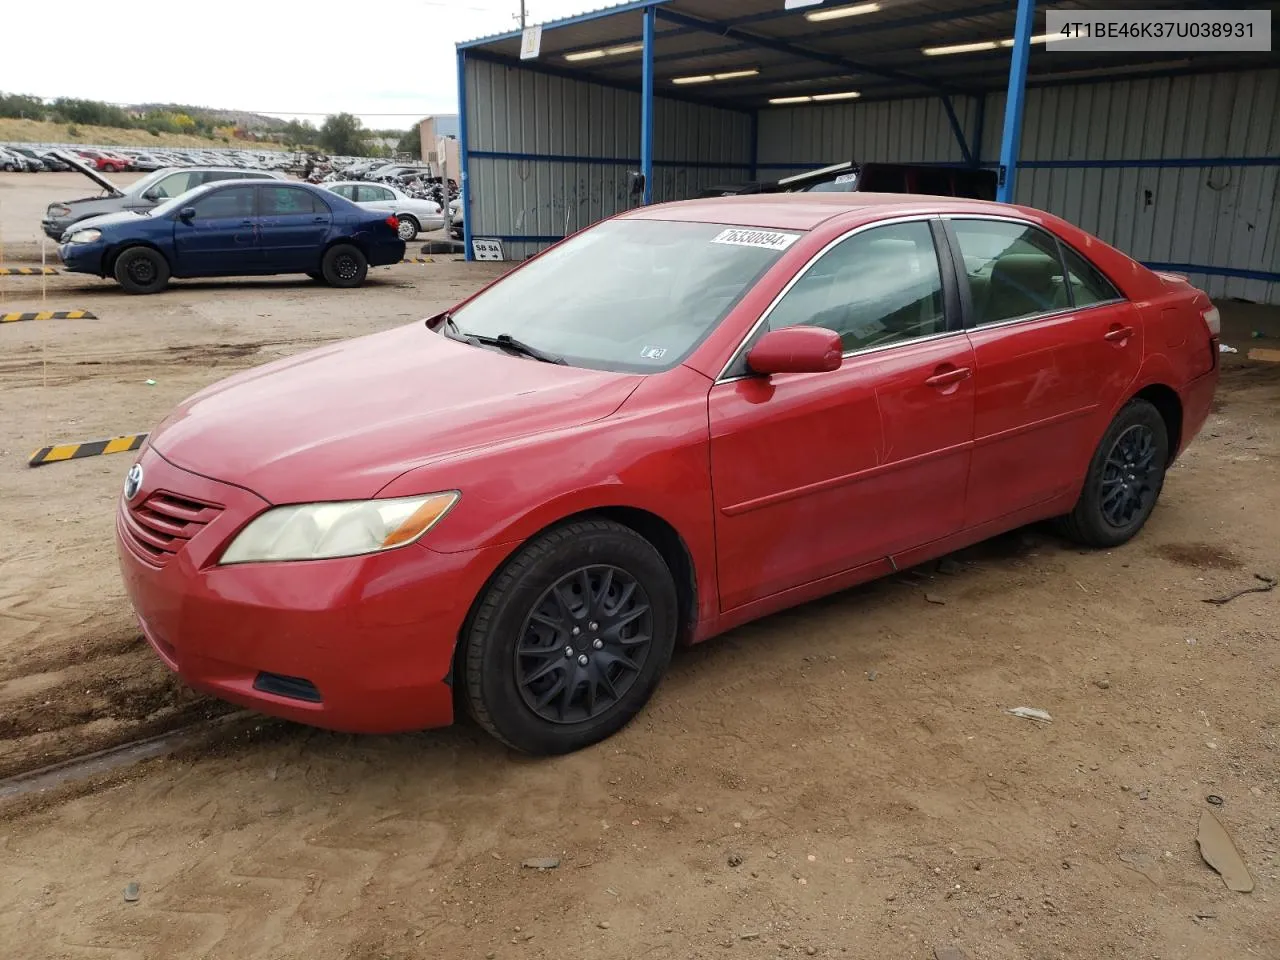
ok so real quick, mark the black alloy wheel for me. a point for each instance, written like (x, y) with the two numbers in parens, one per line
(584, 644)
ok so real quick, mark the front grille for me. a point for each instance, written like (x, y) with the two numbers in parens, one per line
(160, 526)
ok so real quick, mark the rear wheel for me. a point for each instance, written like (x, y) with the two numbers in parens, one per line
(110, 168)
(1124, 481)
(142, 270)
(570, 640)
(409, 227)
(344, 266)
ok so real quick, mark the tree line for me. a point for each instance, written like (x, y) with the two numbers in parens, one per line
(342, 134)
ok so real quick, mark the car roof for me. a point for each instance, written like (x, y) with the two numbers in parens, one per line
(804, 211)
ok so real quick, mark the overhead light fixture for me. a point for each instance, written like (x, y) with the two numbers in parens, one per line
(604, 52)
(836, 13)
(709, 77)
(986, 45)
(817, 98)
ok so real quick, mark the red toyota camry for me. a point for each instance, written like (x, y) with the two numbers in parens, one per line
(676, 421)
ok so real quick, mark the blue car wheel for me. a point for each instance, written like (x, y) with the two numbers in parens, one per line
(142, 270)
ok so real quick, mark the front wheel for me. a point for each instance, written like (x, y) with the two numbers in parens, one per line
(570, 640)
(142, 270)
(409, 227)
(344, 266)
(1124, 481)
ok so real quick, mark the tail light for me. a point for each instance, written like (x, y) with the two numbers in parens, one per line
(393, 222)
(1213, 320)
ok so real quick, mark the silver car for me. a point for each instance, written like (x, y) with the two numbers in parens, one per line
(139, 196)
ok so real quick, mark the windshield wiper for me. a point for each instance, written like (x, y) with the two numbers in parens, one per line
(503, 340)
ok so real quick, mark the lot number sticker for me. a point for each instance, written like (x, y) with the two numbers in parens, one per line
(487, 249)
(768, 239)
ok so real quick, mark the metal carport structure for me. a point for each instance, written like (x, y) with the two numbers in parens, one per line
(1174, 157)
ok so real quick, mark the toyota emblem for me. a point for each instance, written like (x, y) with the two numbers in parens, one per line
(133, 481)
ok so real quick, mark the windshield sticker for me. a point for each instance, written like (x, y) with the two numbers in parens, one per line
(653, 353)
(846, 178)
(768, 239)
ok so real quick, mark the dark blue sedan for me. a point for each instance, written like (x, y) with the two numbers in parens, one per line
(236, 228)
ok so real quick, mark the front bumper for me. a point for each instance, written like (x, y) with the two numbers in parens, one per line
(372, 638)
(54, 229)
(82, 257)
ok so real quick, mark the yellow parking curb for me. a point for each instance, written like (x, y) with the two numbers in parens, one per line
(89, 448)
(418, 260)
(27, 271)
(49, 315)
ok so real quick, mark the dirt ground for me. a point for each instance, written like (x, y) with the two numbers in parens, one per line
(841, 780)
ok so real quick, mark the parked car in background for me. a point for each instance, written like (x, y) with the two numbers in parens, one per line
(145, 161)
(457, 220)
(236, 228)
(415, 215)
(850, 177)
(13, 162)
(35, 162)
(52, 161)
(142, 194)
(104, 161)
(677, 421)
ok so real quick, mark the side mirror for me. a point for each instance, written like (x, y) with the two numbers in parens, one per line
(796, 350)
(151, 195)
(187, 214)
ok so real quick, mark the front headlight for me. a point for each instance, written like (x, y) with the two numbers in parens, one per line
(84, 236)
(58, 210)
(321, 531)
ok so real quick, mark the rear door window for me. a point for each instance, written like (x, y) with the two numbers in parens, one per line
(224, 204)
(1088, 285)
(286, 202)
(1013, 270)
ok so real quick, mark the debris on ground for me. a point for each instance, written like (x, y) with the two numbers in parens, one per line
(541, 863)
(872, 674)
(749, 936)
(1226, 348)
(948, 953)
(1214, 799)
(1219, 851)
(131, 892)
(1268, 584)
(1103, 684)
(934, 598)
(948, 567)
(1031, 713)
(603, 924)
(1265, 354)
(735, 859)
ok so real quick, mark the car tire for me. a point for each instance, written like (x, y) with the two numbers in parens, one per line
(1124, 481)
(409, 227)
(109, 167)
(533, 683)
(141, 270)
(343, 265)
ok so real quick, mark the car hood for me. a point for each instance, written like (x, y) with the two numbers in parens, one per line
(78, 164)
(343, 421)
(108, 219)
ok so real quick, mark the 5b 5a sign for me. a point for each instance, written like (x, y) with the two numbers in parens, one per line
(487, 250)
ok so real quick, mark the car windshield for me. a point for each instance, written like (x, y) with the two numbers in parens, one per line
(139, 186)
(627, 295)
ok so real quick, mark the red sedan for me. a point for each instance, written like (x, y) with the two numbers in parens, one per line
(102, 160)
(674, 422)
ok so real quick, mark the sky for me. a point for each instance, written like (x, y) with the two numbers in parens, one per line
(388, 63)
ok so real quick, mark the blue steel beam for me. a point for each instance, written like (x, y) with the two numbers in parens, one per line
(1017, 95)
(463, 152)
(646, 104)
(957, 130)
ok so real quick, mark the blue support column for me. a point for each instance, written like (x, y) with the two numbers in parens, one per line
(646, 103)
(1012, 132)
(464, 177)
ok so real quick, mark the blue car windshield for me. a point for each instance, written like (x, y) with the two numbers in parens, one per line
(627, 295)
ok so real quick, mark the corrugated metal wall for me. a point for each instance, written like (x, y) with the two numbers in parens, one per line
(1117, 158)
(1217, 215)
(549, 155)
(793, 139)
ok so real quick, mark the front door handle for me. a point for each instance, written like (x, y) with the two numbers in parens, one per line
(1118, 334)
(945, 378)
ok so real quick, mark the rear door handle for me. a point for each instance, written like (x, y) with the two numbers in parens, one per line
(1118, 333)
(947, 377)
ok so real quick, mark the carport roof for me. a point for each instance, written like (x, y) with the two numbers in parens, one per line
(878, 53)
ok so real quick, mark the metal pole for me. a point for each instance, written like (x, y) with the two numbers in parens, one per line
(1012, 133)
(444, 192)
(646, 103)
(523, 18)
(464, 181)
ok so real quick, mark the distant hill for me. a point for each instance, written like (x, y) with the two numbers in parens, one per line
(234, 118)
